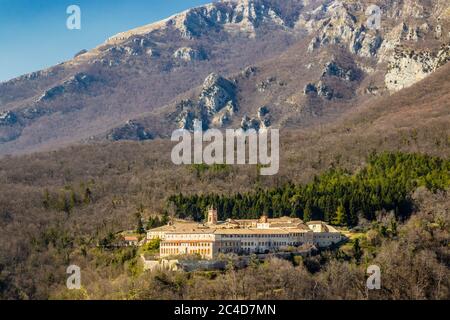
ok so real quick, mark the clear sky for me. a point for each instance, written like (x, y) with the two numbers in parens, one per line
(33, 33)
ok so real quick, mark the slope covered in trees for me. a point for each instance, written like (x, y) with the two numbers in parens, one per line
(412, 255)
(335, 196)
(56, 206)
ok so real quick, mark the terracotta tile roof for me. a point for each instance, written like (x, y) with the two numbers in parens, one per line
(131, 238)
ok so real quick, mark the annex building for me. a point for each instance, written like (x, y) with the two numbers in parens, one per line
(241, 236)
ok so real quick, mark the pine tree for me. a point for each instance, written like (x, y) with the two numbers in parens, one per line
(340, 217)
(393, 227)
(139, 225)
(307, 214)
(151, 223)
(357, 252)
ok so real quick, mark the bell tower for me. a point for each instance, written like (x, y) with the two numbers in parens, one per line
(212, 216)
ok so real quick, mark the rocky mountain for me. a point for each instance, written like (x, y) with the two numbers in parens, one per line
(246, 63)
(214, 107)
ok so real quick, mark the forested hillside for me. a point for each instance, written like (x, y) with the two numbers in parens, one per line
(413, 257)
(55, 207)
(335, 196)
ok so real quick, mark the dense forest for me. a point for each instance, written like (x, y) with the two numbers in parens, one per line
(335, 196)
(413, 257)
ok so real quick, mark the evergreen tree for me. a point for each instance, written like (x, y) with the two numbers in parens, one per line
(139, 225)
(340, 217)
(336, 196)
(307, 214)
(357, 252)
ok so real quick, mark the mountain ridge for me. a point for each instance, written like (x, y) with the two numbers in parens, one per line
(340, 63)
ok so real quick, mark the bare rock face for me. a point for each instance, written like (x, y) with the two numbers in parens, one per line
(261, 121)
(217, 93)
(157, 62)
(51, 93)
(366, 44)
(335, 23)
(256, 124)
(326, 91)
(223, 117)
(135, 46)
(233, 17)
(215, 106)
(332, 68)
(189, 54)
(13, 123)
(187, 113)
(31, 113)
(218, 99)
(10, 129)
(7, 118)
(343, 23)
(263, 112)
(132, 130)
(75, 84)
(408, 66)
(248, 123)
(338, 81)
(249, 72)
(264, 117)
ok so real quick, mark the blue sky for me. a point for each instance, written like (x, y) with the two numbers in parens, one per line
(33, 33)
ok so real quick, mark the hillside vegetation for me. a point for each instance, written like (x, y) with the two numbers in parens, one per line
(55, 207)
(336, 196)
(413, 258)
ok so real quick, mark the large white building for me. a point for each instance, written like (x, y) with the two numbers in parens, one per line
(241, 236)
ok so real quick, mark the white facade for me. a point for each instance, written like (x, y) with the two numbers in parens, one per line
(324, 235)
(260, 241)
(241, 236)
(188, 243)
